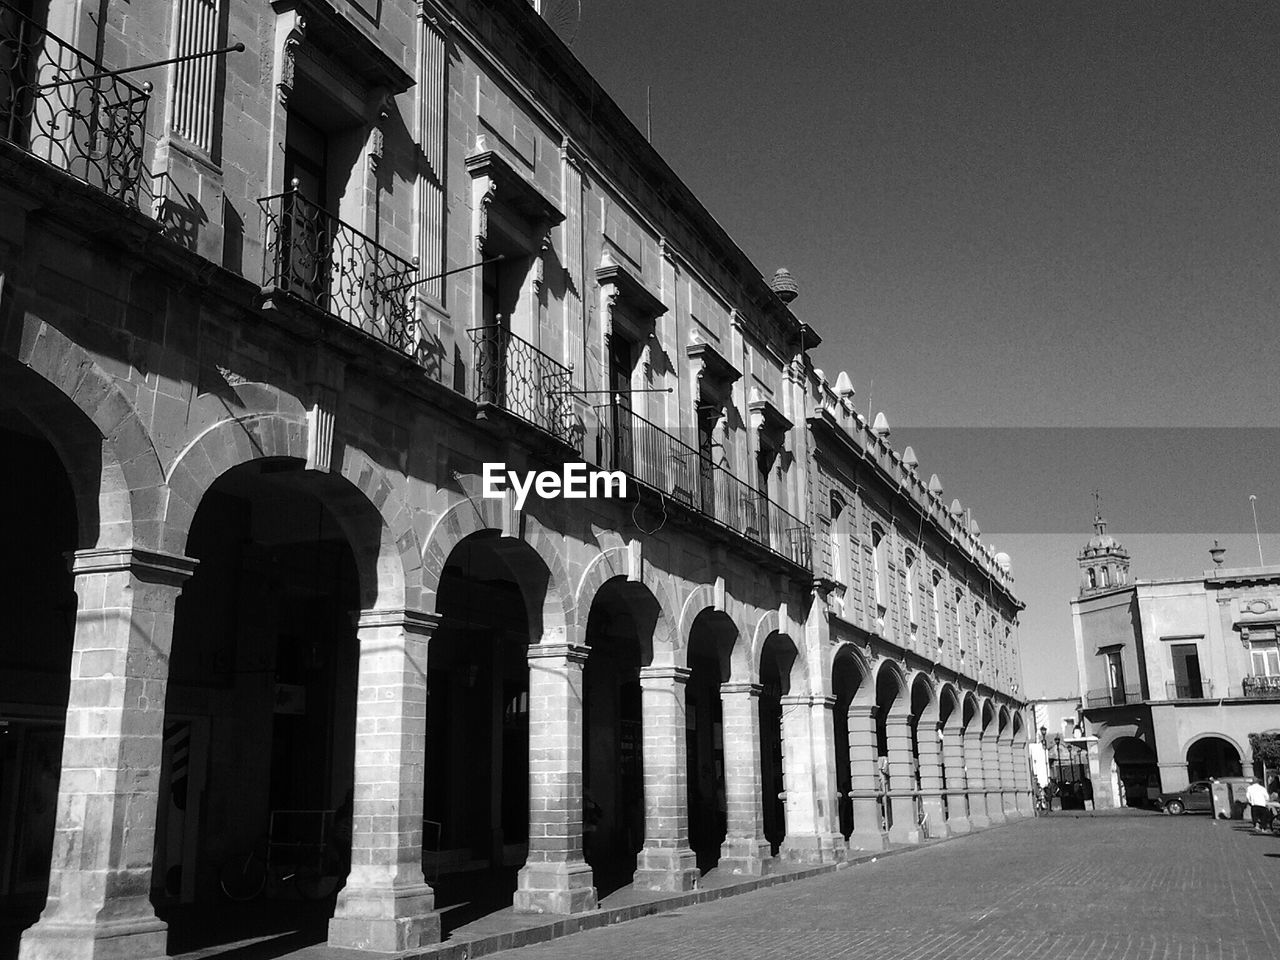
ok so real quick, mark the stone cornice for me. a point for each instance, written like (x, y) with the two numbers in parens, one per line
(147, 565)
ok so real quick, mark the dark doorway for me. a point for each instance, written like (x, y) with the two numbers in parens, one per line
(710, 643)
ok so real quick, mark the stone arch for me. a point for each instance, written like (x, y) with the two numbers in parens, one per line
(363, 499)
(950, 712)
(472, 514)
(891, 671)
(669, 640)
(922, 681)
(770, 623)
(1213, 735)
(1004, 729)
(115, 471)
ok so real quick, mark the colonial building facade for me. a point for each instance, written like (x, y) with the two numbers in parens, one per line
(1176, 673)
(265, 315)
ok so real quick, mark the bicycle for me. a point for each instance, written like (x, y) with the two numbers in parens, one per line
(313, 866)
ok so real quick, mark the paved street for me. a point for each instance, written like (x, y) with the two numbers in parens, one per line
(1122, 887)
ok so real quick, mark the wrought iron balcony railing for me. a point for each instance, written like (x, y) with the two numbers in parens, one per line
(311, 254)
(631, 443)
(513, 374)
(54, 105)
(1262, 686)
(1189, 690)
(1113, 696)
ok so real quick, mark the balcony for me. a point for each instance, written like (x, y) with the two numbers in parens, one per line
(1189, 690)
(630, 443)
(513, 375)
(1262, 686)
(311, 255)
(55, 106)
(1113, 696)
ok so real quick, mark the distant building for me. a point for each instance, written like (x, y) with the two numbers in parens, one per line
(1174, 674)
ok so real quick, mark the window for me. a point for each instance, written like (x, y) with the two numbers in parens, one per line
(960, 620)
(1187, 684)
(1093, 579)
(937, 606)
(1266, 658)
(1106, 576)
(911, 589)
(880, 548)
(839, 537)
(1115, 676)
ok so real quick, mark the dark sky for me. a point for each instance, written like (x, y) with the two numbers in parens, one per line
(1013, 214)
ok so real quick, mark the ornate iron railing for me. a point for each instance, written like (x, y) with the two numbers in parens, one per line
(1189, 689)
(627, 441)
(1113, 696)
(1262, 686)
(513, 374)
(311, 254)
(54, 106)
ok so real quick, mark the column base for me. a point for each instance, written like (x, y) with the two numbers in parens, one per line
(959, 826)
(979, 821)
(997, 817)
(867, 841)
(904, 834)
(555, 888)
(666, 869)
(385, 919)
(130, 938)
(813, 848)
(744, 857)
(1025, 808)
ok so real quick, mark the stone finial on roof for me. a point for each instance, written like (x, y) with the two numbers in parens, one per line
(957, 508)
(844, 385)
(935, 485)
(909, 458)
(881, 426)
(784, 285)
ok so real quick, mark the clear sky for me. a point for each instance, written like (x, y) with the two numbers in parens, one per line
(1020, 215)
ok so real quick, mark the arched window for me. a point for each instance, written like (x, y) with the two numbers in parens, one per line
(960, 619)
(911, 589)
(880, 548)
(839, 541)
(937, 606)
(1093, 579)
(1106, 576)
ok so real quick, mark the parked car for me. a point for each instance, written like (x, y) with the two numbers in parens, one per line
(1198, 797)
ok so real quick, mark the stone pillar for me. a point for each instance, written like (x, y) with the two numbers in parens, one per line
(991, 774)
(809, 837)
(826, 790)
(387, 905)
(666, 861)
(99, 905)
(905, 829)
(745, 851)
(1022, 780)
(952, 745)
(1009, 786)
(867, 834)
(975, 776)
(555, 877)
(930, 754)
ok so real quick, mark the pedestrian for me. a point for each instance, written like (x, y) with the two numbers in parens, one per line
(1256, 795)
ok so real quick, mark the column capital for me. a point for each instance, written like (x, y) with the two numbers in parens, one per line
(796, 700)
(413, 621)
(572, 652)
(148, 565)
(734, 687)
(679, 674)
(861, 710)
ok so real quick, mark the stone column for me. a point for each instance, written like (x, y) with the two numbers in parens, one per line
(905, 829)
(809, 838)
(976, 777)
(957, 784)
(387, 905)
(1022, 780)
(555, 877)
(745, 851)
(867, 834)
(1009, 786)
(666, 861)
(823, 732)
(991, 773)
(930, 755)
(99, 905)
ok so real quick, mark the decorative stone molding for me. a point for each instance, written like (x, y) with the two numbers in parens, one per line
(146, 565)
(627, 305)
(500, 186)
(296, 26)
(715, 375)
(412, 621)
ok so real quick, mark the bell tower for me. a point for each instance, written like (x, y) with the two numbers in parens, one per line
(1104, 563)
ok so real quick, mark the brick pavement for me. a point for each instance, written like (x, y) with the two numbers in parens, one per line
(1140, 887)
